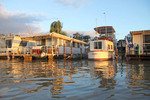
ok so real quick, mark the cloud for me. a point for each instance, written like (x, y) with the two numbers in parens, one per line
(71, 32)
(75, 3)
(19, 23)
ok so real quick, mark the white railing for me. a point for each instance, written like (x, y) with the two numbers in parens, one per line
(46, 49)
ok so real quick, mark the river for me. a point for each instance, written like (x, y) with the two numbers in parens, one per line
(74, 80)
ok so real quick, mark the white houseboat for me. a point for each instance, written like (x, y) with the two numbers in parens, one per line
(103, 48)
(141, 45)
(14, 44)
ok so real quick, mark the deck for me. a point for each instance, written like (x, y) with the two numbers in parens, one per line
(141, 56)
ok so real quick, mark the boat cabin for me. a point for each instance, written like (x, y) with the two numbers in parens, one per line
(54, 43)
(103, 45)
(15, 44)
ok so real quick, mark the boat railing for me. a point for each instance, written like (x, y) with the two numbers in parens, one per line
(137, 50)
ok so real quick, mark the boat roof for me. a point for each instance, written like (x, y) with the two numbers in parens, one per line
(53, 34)
(140, 32)
(102, 29)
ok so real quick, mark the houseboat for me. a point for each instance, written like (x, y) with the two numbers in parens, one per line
(103, 48)
(140, 48)
(43, 45)
(15, 45)
(57, 44)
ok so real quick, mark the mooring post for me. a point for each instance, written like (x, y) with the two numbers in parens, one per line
(71, 49)
(8, 56)
(50, 57)
(80, 51)
(64, 51)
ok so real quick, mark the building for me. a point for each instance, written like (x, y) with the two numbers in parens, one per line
(141, 42)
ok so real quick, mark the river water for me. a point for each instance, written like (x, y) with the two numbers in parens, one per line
(74, 80)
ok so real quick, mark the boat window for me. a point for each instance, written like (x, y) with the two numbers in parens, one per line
(78, 45)
(49, 43)
(23, 43)
(8, 43)
(38, 43)
(68, 43)
(73, 44)
(146, 38)
(97, 45)
(108, 46)
(111, 47)
(43, 42)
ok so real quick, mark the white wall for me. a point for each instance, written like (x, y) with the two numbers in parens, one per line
(68, 50)
(16, 41)
(138, 39)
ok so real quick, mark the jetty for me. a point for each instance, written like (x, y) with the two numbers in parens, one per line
(49, 45)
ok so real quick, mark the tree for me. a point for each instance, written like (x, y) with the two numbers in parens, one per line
(78, 36)
(86, 38)
(56, 26)
(64, 33)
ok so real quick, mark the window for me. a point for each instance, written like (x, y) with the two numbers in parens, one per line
(38, 43)
(68, 43)
(43, 41)
(146, 38)
(78, 45)
(97, 45)
(108, 46)
(111, 47)
(49, 43)
(73, 44)
(23, 43)
(8, 43)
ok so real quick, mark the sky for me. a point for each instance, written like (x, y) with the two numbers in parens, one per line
(29, 17)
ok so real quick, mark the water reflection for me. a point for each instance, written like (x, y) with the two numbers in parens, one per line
(81, 79)
(105, 71)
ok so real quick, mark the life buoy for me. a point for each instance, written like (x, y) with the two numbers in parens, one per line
(109, 38)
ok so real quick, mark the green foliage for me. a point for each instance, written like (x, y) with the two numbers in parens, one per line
(78, 36)
(56, 26)
(86, 38)
(64, 33)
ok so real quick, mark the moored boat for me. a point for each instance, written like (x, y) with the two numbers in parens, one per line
(103, 48)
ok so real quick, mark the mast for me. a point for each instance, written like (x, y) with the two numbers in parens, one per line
(96, 27)
(105, 25)
(96, 34)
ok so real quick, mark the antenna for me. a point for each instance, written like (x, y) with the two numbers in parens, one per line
(29, 30)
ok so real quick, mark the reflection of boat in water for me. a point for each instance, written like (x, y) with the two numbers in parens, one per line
(103, 47)
(105, 69)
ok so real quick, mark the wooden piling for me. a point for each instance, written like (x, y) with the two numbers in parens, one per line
(80, 52)
(71, 50)
(64, 51)
(50, 57)
(27, 57)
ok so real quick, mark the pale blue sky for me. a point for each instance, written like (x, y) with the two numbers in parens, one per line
(77, 15)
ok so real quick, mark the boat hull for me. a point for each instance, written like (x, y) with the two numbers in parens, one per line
(100, 55)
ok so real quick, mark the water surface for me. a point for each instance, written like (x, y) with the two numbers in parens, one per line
(74, 80)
